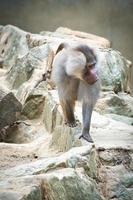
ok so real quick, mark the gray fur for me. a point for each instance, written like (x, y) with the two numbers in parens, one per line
(68, 66)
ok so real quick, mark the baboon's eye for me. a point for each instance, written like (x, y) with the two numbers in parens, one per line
(91, 65)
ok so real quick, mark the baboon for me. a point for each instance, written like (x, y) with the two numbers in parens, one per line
(75, 73)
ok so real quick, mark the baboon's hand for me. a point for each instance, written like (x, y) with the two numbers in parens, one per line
(71, 124)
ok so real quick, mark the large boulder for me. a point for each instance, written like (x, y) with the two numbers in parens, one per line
(12, 45)
(29, 50)
(10, 109)
(120, 104)
(49, 160)
(114, 71)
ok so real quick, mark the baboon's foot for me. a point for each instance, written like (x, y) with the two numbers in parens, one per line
(86, 137)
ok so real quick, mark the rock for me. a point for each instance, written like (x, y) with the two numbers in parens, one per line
(110, 134)
(49, 114)
(8, 195)
(78, 36)
(21, 189)
(49, 161)
(76, 157)
(10, 108)
(34, 104)
(121, 118)
(130, 79)
(1, 27)
(114, 69)
(53, 181)
(28, 66)
(131, 163)
(117, 185)
(116, 104)
(59, 184)
(12, 45)
(63, 137)
(116, 170)
(24, 132)
(34, 40)
(105, 132)
(34, 107)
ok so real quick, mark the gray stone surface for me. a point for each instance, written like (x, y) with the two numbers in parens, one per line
(13, 45)
(48, 160)
(59, 185)
(10, 108)
(115, 104)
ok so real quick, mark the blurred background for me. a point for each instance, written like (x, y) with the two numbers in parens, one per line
(112, 19)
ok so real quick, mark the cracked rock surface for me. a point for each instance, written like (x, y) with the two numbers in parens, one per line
(41, 158)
